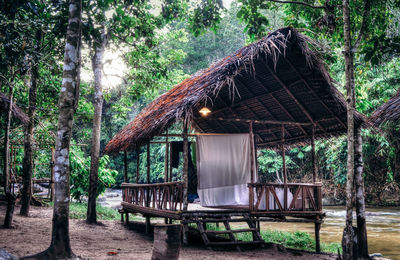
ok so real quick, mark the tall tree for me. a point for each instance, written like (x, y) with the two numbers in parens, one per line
(60, 243)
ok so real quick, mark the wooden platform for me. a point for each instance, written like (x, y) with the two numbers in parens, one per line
(165, 200)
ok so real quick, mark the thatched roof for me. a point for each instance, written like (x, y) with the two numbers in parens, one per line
(390, 111)
(278, 78)
(17, 112)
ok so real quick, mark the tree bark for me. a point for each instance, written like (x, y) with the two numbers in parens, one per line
(6, 168)
(27, 168)
(60, 243)
(97, 64)
(347, 242)
(360, 199)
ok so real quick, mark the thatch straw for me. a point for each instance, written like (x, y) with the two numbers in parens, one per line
(207, 86)
(390, 111)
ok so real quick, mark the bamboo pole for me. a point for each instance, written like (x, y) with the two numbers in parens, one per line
(126, 167)
(166, 158)
(313, 159)
(185, 165)
(148, 162)
(284, 169)
(251, 151)
(148, 189)
(185, 178)
(137, 163)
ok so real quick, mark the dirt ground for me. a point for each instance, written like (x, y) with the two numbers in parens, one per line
(32, 235)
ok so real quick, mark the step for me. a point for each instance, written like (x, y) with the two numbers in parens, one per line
(235, 243)
(214, 220)
(229, 231)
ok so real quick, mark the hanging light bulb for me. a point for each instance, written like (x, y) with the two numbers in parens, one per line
(204, 111)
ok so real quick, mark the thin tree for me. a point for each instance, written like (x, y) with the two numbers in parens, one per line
(97, 65)
(60, 243)
(27, 165)
(6, 149)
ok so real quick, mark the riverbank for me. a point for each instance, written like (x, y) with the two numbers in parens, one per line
(32, 235)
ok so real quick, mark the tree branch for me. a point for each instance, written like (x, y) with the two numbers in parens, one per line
(367, 9)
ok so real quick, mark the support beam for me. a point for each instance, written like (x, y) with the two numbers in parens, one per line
(272, 122)
(148, 163)
(148, 224)
(185, 165)
(166, 158)
(137, 163)
(313, 159)
(185, 177)
(317, 239)
(126, 167)
(285, 206)
(251, 152)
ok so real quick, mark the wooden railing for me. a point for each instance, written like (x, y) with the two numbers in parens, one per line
(163, 196)
(290, 197)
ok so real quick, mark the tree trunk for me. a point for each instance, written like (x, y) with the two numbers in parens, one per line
(347, 241)
(360, 200)
(60, 244)
(27, 167)
(97, 65)
(6, 170)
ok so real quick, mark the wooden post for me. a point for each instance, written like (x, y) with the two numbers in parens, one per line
(148, 162)
(126, 167)
(166, 157)
(185, 166)
(166, 168)
(170, 163)
(284, 169)
(167, 242)
(251, 151)
(313, 159)
(317, 239)
(185, 178)
(148, 189)
(137, 163)
(52, 174)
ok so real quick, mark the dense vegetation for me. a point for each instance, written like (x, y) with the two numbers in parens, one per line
(151, 46)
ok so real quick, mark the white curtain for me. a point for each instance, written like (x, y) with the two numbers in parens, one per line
(223, 169)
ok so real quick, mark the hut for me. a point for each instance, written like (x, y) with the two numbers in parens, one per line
(272, 94)
(16, 111)
(390, 111)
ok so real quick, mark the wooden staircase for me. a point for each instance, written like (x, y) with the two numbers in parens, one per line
(212, 238)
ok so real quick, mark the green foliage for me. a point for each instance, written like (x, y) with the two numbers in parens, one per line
(80, 170)
(79, 210)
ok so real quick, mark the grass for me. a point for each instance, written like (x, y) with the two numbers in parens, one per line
(297, 240)
(79, 210)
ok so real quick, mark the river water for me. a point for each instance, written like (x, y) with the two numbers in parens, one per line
(383, 225)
